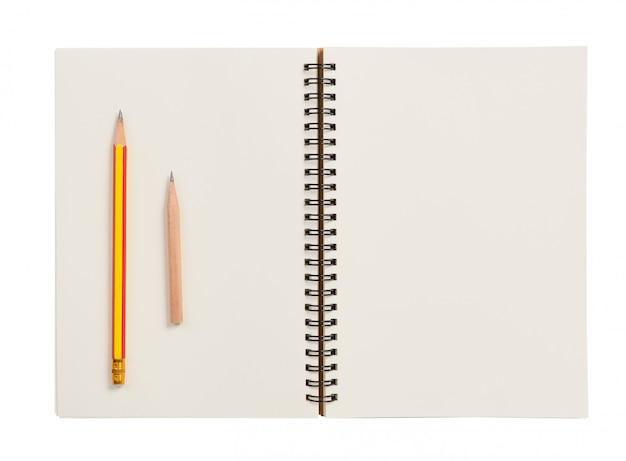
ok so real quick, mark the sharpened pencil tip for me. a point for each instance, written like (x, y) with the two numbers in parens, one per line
(120, 117)
(171, 176)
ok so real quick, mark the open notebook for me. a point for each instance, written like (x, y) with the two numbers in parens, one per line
(443, 196)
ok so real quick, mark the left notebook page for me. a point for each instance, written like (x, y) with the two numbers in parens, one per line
(228, 123)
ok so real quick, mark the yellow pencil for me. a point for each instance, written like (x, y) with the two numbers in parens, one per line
(119, 253)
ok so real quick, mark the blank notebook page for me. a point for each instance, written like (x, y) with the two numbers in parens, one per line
(229, 123)
(461, 232)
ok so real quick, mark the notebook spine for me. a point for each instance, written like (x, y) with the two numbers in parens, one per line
(321, 265)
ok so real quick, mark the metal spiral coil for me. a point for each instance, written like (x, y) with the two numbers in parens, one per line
(316, 126)
(321, 338)
(319, 218)
(320, 262)
(316, 323)
(315, 81)
(314, 232)
(319, 111)
(318, 293)
(317, 186)
(317, 277)
(323, 398)
(316, 369)
(320, 172)
(317, 65)
(320, 307)
(321, 383)
(327, 157)
(324, 246)
(320, 352)
(325, 202)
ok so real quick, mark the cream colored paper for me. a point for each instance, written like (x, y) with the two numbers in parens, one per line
(461, 243)
(461, 231)
(229, 124)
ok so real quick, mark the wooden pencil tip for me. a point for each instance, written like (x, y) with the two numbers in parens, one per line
(120, 117)
(171, 176)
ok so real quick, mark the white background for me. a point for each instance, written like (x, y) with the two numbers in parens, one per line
(29, 33)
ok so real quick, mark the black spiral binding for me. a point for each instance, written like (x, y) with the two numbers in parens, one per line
(318, 134)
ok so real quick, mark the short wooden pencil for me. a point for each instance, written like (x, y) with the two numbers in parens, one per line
(173, 245)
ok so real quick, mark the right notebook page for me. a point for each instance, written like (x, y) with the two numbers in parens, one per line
(461, 232)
